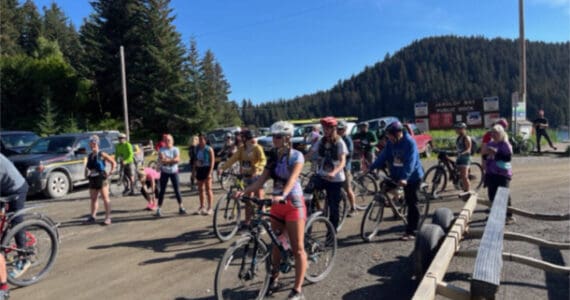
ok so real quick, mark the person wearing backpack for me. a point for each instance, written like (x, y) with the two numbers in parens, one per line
(98, 183)
(463, 145)
(204, 168)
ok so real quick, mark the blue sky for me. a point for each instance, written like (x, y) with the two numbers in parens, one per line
(280, 49)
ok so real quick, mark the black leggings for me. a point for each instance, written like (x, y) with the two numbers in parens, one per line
(175, 184)
(539, 134)
(15, 206)
(493, 183)
(334, 195)
(411, 195)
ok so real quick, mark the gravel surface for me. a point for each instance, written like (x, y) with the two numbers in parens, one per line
(175, 257)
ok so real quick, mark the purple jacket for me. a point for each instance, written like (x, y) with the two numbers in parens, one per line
(500, 163)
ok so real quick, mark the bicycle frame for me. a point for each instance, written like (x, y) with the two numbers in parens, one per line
(449, 165)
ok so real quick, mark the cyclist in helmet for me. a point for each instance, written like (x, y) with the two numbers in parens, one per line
(401, 153)
(332, 153)
(284, 166)
(252, 162)
(365, 142)
(463, 145)
(229, 147)
(347, 185)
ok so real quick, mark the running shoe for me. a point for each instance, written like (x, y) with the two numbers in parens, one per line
(294, 295)
(182, 211)
(21, 266)
(158, 214)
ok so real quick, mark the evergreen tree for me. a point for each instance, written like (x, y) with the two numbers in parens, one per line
(56, 27)
(30, 26)
(9, 31)
(48, 116)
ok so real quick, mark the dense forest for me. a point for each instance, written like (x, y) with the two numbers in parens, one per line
(59, 79)
(434, 69)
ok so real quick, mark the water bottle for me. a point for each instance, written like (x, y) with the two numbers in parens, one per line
(284, 239)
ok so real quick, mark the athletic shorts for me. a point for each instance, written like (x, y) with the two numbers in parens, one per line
(97, 182)
(347, 184)
(288, 211)
(463, 161)
(202, 173)
(129, 169)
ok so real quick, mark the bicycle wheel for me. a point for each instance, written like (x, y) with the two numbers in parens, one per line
(243, 272)
(436, 179)
(476, 176)
(320, 246)
(226, 217)
(37, 255)
(423, 206)
(343, 208)
(372, 218)
(365, 188)
(116, 187)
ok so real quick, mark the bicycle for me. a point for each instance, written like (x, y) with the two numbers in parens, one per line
(318, 201)
(437, 176)
(227, 176)
(120, 182)
(41, 246)
(227, 213)
(521, 145)
(391, 195)
(245, 269)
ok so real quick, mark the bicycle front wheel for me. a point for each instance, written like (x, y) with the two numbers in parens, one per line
(226, 217)
(475, 176)
(244, 271)
(320, 246)
(365, 188)
(29, 263)
(436, 180)
(372, 218)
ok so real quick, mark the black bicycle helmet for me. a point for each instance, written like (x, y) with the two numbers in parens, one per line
(394, 127)
(460, 125)
(247, 134)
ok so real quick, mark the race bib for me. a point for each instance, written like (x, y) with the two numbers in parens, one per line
(398, 162)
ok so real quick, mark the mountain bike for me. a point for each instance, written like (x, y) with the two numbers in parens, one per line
(227, 213)
(391, 195)
(364, 187)
(119, 182)
(41, 246)
(317, 200)
(437, 176)
(228, 176)
(245, 269)
(521, 145)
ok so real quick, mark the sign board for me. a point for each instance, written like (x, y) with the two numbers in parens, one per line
(491, 118)
(514, 98)
(491, 104)
(422, 124)
(421, 109)
(519, 111)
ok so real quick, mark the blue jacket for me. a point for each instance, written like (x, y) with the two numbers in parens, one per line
(403, 158)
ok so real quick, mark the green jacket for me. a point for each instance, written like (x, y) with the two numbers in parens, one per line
(366, 141)
(125, 152)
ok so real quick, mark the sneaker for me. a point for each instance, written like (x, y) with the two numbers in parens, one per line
(107, 222)
(294, 295)
(4, 294)
(89, 220)
(158, 214)
(132, 193)
(408, 237)
(148, 207)
(274, 286)
(208, 212)
(352, 213)
(182, 211)
(21, 266)
(125, 192)
(200, 211)
(510, 220)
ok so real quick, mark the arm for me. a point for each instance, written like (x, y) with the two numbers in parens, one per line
(385, 155)
(232, 160)
(130, 153)
(110, 160)
(373, 139)
(261, 160)
(468, 144)
(410, 161)
(212, 160)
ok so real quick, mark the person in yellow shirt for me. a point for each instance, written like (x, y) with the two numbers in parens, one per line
(252, 163)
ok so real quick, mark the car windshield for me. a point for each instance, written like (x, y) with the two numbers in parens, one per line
(18, 140)
(52, 145)
(216, 136)
(298, 131)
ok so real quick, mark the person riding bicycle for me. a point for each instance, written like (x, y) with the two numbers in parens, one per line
(124, 153)
(347, 185)
(463, 145)
(252, 163)
(13, 183)
(365, 142)
(332, 153)
(401, 152)
(284, 166)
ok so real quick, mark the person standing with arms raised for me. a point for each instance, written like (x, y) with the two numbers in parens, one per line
(169, 157)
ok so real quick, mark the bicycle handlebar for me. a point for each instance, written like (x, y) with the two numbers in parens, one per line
(257, 201)
(9, 198)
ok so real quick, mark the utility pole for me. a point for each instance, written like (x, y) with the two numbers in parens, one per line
(522, 88)
(124, 85)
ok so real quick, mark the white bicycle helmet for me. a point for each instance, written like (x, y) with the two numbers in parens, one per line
(282, 127)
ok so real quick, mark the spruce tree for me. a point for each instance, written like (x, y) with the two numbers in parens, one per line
(48, 117)
(30, 26)
(9, 31)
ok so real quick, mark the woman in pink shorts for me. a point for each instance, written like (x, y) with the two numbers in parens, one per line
(284, 166)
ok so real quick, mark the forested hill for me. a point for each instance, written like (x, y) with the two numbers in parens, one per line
(436, 69)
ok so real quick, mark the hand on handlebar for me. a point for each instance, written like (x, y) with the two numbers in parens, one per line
(402, 182)
(278, 199)
(237, 194)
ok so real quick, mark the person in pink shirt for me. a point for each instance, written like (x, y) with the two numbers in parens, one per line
(149, 181)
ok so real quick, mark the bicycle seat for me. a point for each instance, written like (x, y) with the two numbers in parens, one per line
(9, 198)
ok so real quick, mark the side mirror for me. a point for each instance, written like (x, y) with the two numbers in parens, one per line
(80, 151)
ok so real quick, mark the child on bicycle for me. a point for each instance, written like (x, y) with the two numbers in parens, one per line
(284, 166)
(463, 145)
(252, 162)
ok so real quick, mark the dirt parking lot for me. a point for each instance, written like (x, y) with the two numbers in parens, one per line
(175, 257)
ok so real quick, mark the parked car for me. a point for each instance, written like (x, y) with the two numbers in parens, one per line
(423, 140)
(113, 135)
(217, 137)
(14, 142)
(55, 165)
(298, 141)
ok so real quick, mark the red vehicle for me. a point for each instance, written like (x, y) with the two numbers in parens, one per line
(423, 140)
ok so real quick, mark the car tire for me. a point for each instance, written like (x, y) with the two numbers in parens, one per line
(57, 185)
